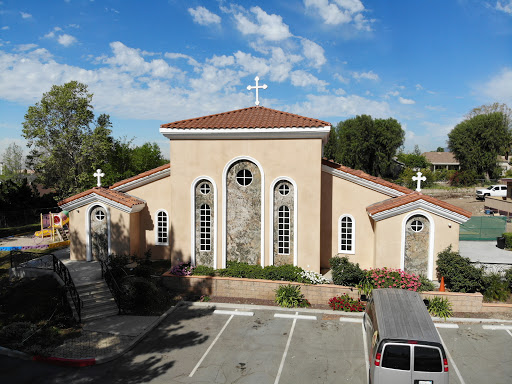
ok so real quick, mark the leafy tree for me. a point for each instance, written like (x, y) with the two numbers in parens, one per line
(13, 162)
(65, 138)
(331, 148)
(440, 149)
(368, 144)
(478, 140)
(414, 159)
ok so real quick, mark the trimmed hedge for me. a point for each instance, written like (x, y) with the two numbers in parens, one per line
(508, 240)
(345, 272)
(459, 274)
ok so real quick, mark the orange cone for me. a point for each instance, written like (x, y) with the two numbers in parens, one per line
(441, 287)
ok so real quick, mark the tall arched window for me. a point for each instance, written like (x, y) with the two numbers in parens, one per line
(162, 228)
(205, 228)
(284, 231)
(346, 232)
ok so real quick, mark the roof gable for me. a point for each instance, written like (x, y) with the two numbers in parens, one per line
(142, 178)
(441, 158)
(116, 199)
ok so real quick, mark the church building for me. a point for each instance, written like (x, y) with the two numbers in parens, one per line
(251, 185)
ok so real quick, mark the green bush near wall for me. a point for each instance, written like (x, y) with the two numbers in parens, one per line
(508, 240)
(458, 272)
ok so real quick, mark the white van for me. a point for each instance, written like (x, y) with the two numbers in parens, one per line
(403, 344)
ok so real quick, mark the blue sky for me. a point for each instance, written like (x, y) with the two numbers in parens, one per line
(425, 63)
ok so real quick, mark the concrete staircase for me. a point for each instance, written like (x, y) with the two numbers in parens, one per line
(97, 299)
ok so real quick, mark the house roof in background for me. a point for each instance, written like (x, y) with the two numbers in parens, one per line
(441, 158)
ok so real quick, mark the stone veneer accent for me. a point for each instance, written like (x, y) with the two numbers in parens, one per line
(316, 294)
(243, 237)
(417, 246)
(204, 257)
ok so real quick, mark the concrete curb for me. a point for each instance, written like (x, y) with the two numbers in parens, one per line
(85, 362)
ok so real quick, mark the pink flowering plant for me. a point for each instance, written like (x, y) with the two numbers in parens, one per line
(182, 269)
(388, 278)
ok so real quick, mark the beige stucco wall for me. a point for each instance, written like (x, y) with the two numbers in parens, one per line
(389, 237)
(157, 196)
(119, 231)
(298, 159)
(340, 197)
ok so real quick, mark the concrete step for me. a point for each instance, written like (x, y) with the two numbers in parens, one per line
(101, 296)
(92, 302)
(100, 314)
(99, 307)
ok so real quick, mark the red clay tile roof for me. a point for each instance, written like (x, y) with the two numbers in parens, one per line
(252, 117)
(366, 176)
(410, 198)
(441, 157)
(141, 175)
(118, 197)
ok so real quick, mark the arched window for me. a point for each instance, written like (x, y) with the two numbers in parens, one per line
(284, 231)
(346, 232)
(162, 228)
(205, 228)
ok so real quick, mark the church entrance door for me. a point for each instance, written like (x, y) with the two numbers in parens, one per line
(99, 233)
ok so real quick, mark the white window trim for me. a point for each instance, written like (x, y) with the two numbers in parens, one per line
(353, 251)
(225, 203)
(88, 229)
(193, 219)
(295, 221)
(431, 233)
(156, 229)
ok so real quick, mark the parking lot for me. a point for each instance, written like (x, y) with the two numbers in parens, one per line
(224, 345)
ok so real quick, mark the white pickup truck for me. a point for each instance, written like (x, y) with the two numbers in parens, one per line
(493, 190)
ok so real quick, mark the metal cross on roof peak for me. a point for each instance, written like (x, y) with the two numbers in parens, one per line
(99, 175)
(257, 87)
(419, 178)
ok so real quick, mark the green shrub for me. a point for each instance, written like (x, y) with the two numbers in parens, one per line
(285, 272)
(440, 307)
(459, 274)
(345, 272)
(143, 271)
(290, 296)
(407, 174)
(443, 174)
(426, 284)
(508, 278)
(346, 304)
(143, 297)
(203, 270)
(508, 240)
(238, 269)
(463, 178)
(496, 287)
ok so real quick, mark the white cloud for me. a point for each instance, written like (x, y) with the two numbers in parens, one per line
(499, 88)
(365, 75)
(504, 7)
(269, 27)
(25, 15)
(338, 12)
(341, 79)
(301, 78)
(406, 101)
(203, 16)
(25, 47)
(313, 52)
(172, 56)
(391, 93)
(436, 108)
(66, 40)
(5, 28)
(341, 106)
(419, 87)
(222, 61)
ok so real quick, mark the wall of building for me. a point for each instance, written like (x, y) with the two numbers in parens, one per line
(298, 159)
(340, 197)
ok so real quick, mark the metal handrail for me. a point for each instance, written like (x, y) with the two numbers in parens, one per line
(20, 257)
(106, 273)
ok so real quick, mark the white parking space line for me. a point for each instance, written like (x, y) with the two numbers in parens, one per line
(445, 325)
(510, 333)
(351, 320)
(295, 317)
(286, 349)
(366, 357)
(452, 363)
(236, 313)
(496, 327)
(210, 347)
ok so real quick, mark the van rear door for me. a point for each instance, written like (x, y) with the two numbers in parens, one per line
(395, 364)
(428, 366)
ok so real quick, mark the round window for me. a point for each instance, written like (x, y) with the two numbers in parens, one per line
(204, 188)
(284, 189)
(417, 226)
(100, 215)
(244, 177)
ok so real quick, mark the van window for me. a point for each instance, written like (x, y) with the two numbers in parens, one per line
(427, 359)
(397, 357)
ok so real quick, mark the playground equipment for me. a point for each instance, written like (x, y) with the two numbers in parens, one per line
(53, 224)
